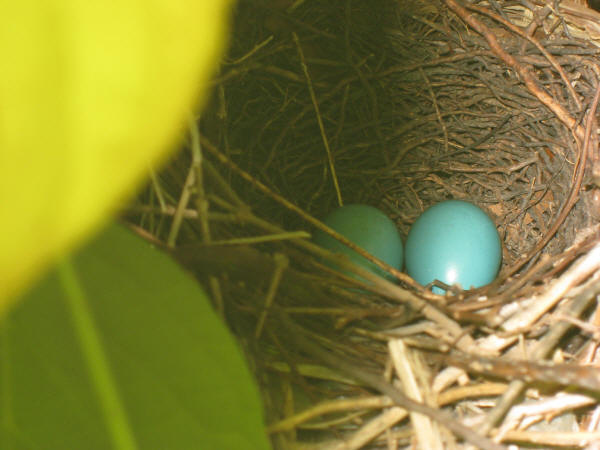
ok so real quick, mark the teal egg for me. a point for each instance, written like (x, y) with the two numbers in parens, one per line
(370, 229)
(455, 242)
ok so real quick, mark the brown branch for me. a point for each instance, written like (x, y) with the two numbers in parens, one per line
(575, 186)
(535, 42)
(563, 115)
(532, 84)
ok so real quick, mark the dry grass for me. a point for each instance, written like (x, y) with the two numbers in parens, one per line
(401, 105)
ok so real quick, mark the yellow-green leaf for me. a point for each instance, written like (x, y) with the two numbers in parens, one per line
(91, 94)
(120, 348)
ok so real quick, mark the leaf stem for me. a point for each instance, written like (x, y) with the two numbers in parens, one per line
(5, 385)
(95, 358)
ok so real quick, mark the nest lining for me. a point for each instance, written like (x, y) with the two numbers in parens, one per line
(416, 105)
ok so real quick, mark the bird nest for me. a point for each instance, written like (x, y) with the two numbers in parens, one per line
(401, 105)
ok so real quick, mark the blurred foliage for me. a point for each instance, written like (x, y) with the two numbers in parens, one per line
(93, 94)
(177, 377)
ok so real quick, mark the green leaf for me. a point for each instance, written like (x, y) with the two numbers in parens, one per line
(92, 95)
(121, 349)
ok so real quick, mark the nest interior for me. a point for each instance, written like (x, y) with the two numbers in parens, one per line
(398, 105)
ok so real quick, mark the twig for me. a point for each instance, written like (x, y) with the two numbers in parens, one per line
(202, 208)
(537, 44)
(158, 190)
(575, 308)
(184, 199)
(427, 434)
(552, 406)
(575, 186)
(437, 108)
(584, 377)
(398, 397)
(329, 407)
(532, 84)
(581, 269)
(281, 263)
(289, 205)
(260, 239)
(319, 120)
(370, 430)
(255, 49)
(552, 439)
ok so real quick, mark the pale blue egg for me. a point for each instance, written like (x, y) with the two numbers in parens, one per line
(455, 242)
(370, 229)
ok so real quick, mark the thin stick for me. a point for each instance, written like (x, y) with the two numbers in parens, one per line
(184, 199)
(524, 72)
(281, 263)
(255, 49)
(553, 439)
(260, 239)
(158, 190)
(437, 109)
(202, 207)
(370, 430)
(319, 120)
(202, 202)
(328, 407)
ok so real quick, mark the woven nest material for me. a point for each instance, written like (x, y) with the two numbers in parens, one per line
(401, 105)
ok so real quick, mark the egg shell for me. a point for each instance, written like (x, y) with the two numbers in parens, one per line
(370, 229)
(455, 242)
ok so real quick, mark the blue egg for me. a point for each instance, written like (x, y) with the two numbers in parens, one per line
(370, 229)
(454, 242)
